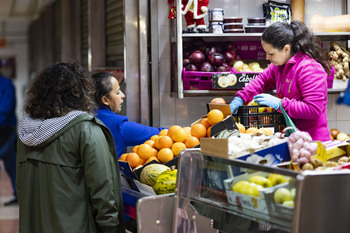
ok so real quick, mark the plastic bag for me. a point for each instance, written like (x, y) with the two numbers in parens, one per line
(289, 123)
(277, 12)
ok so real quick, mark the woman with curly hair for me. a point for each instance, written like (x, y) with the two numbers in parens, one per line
(298, 72)
(67, 176)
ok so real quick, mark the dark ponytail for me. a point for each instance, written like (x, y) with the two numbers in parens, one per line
(298, 36)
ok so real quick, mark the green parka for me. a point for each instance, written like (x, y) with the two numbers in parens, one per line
(70, 183)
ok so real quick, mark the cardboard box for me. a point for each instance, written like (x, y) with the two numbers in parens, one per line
(278, 210)
(134, 175)
(332, 150)
(243, 201)
(220, 148)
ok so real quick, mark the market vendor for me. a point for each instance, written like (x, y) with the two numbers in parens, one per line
(110, 99)
(298, 71)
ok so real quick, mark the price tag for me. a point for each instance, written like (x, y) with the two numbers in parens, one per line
(321, 152)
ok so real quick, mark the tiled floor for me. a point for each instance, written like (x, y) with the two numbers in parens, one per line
(8, 214)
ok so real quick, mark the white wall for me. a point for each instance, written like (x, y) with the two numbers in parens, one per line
(187, 110)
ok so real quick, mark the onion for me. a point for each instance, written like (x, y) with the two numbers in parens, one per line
(216, 59)
(211, 50)
(230, 57)
(191, 67)
(228, 67)
(334, 132)
(221, 68)
(206, 67)
(186, 62)
(197, 57)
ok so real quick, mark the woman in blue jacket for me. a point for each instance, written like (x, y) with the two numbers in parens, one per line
(110, 99)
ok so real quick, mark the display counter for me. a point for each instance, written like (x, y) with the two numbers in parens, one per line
(207, 199)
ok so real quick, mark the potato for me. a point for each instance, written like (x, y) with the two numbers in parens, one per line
(315, 162)
(307, 166)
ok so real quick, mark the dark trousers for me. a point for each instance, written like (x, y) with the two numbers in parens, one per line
(8, 152)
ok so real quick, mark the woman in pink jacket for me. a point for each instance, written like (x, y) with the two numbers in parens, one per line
(298, 72)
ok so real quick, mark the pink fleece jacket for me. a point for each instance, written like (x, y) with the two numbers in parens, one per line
(302, 86)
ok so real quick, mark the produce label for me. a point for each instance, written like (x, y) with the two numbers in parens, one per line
(232, 81)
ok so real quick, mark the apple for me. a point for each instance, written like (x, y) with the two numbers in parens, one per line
(240, 186)
(253, 103)
(293, 192)
(277, 179)
(281, 195)
(253, 190)
(263, 181)
(218, 100)
(289, 203)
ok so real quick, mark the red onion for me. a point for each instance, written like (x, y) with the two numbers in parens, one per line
(206, 67)
(197, 57)
(216, 59)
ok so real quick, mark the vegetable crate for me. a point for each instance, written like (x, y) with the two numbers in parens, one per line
(198, 80)
(260, 116)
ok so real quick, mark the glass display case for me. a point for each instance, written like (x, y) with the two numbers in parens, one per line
(222, 195)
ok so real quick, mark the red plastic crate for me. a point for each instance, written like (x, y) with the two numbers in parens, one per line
(198, 80)
(250, 50)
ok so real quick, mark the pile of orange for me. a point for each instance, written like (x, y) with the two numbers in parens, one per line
(170, 142)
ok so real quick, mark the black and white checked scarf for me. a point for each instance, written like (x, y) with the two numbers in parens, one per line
(33, 132)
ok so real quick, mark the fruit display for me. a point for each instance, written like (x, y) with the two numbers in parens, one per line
(284, 196)
(151, 172)
(170, 142)
(166, 182)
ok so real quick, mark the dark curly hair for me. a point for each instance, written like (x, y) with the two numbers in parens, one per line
(59, 89)
(298, 36)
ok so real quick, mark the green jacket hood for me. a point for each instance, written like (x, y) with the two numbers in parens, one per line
(38, 132)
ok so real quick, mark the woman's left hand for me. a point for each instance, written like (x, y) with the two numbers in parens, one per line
(268, 100)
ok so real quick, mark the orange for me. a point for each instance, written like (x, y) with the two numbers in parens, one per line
(205, 122)
(172, 129)
(134, 149)
(188, 130)
(165, 155)
(178, 147)
(163, 142)
(151, 143)
(215, 116)
(152, 158)
(123, 156)
(179, 135)
(208, 132)
(145, 151)
(198, 130)
(240, 127)
(191, 142)
(252, 130)
(153, 138)
(142, 162)
(163, 132)
(133, 159)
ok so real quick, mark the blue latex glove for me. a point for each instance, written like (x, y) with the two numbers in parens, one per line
(235, 103)
(268, 100)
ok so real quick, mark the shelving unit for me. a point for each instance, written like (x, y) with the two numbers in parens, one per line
(211, 37)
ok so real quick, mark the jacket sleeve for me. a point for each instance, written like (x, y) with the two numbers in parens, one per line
(134, 133)
(263, 82)
(101, 178)
(312, 83)
(7, 100)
